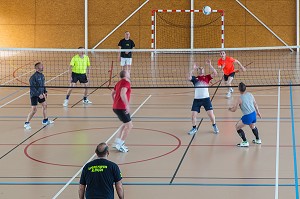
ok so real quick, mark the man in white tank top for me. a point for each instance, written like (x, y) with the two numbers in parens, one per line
(201, 83)
(249, 109)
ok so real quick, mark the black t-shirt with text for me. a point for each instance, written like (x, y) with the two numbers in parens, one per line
(99, 177)
(126, 44)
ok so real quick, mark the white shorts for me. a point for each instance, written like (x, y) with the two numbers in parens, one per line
(126, 61)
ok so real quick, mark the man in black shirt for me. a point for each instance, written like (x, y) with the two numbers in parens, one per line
(38, 94)
(125, 57)
(99, 175)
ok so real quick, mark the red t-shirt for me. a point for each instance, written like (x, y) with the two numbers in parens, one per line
(228, 62)
(118, 102)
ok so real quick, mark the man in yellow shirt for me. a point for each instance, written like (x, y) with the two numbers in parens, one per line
(79, 71)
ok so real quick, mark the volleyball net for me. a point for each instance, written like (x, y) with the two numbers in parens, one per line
(167, 68)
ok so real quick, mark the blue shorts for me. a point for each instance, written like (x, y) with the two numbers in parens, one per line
(202, 102)
(250, 118)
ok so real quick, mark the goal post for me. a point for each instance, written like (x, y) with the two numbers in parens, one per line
(177, 29)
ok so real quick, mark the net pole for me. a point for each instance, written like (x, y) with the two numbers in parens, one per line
(192, 24)
(298, 24)
(86, 24)
(110, 73)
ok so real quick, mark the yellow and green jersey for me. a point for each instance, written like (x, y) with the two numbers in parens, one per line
(79, 65)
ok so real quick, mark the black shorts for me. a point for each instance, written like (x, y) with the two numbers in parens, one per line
(124, 117)
(79, 77)
(35, 100)
(197, 103)
(230, 75)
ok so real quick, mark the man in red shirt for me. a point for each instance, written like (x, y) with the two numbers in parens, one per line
(121, 98)
(227, 65)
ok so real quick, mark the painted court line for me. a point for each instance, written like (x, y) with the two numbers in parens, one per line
(78, 172)
(29, 91)
(294, 144)
(277, 141)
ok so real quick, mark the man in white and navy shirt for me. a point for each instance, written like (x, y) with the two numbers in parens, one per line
(201, 83)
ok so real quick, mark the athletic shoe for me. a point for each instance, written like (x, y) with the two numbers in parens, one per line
(27, 126)
(47, 122)
(192, 131)
(114, 145)
(231, 90)
(66, 102)
(256, 141)
(216, 130)
(243, 144)
(86, 101)
(122, 148)
(228, 95)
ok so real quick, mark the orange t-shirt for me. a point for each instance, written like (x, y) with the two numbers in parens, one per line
(228, 62)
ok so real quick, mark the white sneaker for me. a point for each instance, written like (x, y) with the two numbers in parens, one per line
(47, 122)
(122, 148)
(228, 95)
(27, 126)
(216, 130)
(192, 131)
(256, 141)
(86, 101)
(66, 102)
(231, 90)
(243, 144)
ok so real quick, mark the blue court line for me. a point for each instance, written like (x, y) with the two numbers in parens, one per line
(294, 144)
(156, 184)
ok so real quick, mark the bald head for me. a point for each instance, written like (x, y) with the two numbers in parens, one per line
(101, 150)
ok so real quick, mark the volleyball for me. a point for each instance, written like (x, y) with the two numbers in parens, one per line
(206, 10)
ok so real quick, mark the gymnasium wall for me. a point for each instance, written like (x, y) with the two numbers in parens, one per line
(60, 23)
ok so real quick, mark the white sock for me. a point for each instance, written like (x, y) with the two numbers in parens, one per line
(118, 140)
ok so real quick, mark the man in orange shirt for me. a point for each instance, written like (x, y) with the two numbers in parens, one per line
(227, 65)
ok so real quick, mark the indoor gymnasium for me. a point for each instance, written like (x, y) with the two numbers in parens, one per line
(205, 95)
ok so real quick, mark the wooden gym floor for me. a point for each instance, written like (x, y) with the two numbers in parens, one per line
(163, 161)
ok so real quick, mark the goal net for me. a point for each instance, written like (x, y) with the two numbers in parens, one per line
(187, 29)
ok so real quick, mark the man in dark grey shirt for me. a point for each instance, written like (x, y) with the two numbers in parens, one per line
(38, 94)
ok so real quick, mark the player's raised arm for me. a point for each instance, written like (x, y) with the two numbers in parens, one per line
(214, 71)
(190, 75)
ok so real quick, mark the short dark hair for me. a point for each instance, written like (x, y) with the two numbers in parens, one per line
(80, 47)
(122, 74)
(242, 87)
(101, 150)
(37, 64)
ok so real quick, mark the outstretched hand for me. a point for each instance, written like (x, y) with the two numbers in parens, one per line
(195, 66)
(208, 61)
